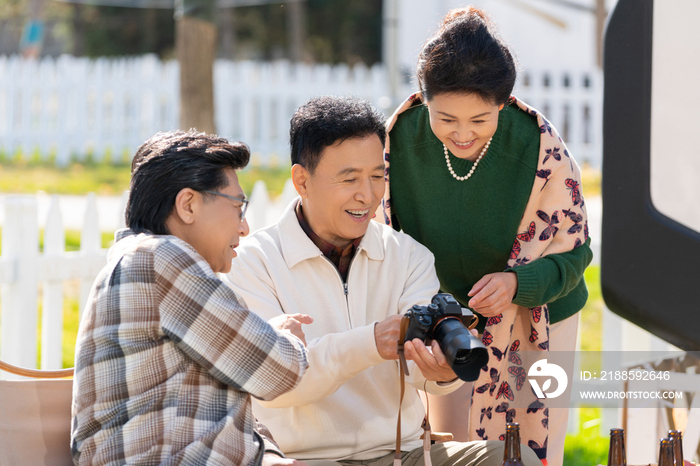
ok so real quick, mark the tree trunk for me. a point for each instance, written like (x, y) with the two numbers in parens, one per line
(296, 25)
(196, 48)
(78, 30)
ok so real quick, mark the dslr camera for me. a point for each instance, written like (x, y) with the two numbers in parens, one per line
(446, 322)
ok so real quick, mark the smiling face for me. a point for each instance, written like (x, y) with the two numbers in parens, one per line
(464, 123)
(341, 196)
(221, 226)
(211, 224)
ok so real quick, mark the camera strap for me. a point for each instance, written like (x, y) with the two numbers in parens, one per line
(475, 320)
(402, 357)
(403, 371)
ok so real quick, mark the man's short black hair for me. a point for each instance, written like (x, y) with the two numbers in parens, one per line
(169, 162)
(327, 120)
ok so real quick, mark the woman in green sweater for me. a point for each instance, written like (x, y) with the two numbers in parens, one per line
(485, 182)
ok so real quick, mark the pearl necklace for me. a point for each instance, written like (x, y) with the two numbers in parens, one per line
(471, 172)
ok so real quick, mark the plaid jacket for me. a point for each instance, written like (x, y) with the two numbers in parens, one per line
(166, 360)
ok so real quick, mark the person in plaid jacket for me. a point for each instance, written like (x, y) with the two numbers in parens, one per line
(168, 356)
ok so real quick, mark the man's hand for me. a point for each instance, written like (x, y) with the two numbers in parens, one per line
(271, 459)
(291, 323)
(493, 293)
(432, 364)
(386, 336)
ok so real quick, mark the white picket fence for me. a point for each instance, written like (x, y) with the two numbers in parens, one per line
(74, 106)
(22, 268)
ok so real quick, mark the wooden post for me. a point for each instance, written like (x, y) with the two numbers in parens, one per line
(52, 309)
(195, 43)
(18, 319)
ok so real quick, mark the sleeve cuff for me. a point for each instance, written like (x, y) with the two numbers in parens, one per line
(443, 388)
(527, 285)
(445, 384)
(270, 446)
(273, 451)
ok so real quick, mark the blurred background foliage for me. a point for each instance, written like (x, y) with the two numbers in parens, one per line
(336, 31)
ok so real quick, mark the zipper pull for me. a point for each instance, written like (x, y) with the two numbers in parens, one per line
(345, 287)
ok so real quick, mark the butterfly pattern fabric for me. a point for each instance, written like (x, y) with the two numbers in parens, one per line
(554, 221)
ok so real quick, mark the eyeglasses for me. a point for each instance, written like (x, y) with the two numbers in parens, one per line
(243, 208)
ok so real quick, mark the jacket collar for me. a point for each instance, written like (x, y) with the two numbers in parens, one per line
(297, 247)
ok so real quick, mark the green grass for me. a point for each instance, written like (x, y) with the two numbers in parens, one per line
(81, 178)
(72, 240)
(591, 179)
(592, 313)
(587, 448)
(73, 179)
(71, 321)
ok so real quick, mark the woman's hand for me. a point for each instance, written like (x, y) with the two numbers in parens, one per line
(291, 323)
(493, 293)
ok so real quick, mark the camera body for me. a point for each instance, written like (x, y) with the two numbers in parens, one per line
(423, 319)
(446, 322)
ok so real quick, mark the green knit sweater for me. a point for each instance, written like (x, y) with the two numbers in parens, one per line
(470, 225)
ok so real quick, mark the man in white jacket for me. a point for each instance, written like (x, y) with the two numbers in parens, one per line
(326, 264)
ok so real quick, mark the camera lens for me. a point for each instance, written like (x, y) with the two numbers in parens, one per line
(464, 357)
(465, 354)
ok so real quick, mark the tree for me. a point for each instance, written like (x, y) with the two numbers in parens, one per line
(195, 42)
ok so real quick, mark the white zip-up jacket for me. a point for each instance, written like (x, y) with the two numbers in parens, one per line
(346, 405)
